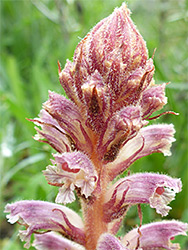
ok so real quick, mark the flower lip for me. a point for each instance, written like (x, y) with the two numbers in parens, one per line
(71, 171)
(65, 167)
(160, 190)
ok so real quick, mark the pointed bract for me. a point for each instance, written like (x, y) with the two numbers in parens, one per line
(52, 133)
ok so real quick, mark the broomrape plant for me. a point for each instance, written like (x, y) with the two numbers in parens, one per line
(98, 133)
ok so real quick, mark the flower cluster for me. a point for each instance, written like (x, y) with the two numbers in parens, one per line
(98, 133)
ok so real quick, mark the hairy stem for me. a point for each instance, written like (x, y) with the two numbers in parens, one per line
(93, 214)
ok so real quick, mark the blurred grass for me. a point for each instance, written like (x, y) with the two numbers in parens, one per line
(34, 35)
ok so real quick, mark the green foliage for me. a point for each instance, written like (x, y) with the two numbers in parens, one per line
(34, 36)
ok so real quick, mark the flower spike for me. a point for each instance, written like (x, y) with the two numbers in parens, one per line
(97, 134)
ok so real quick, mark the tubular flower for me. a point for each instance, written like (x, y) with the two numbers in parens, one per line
(154, 189)
(97, 134)
(157, 235)
(41, 217)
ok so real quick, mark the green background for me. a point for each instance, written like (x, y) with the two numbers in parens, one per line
(34, 35)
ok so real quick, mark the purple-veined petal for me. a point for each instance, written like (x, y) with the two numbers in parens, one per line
(60, 108)
(150, 139)
(156, 235)
(66, 193)
(109, 242)
(155, 189)
(76, 161)
(54, 241)
(45, 216)
(124, 125)
(87, 185)
(69, 117)
(153, 99)
(56, 176)
(71, 170)
(52, 133)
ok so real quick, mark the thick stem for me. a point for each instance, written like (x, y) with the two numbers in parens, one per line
(93, 214)
(94, 224)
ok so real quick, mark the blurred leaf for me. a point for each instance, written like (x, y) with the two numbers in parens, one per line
(22, 164)
(16, 84)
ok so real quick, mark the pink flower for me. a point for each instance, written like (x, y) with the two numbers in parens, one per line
(157, 235)
(41, 217)
(154, 189)
(71, 170)
(151, 139)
